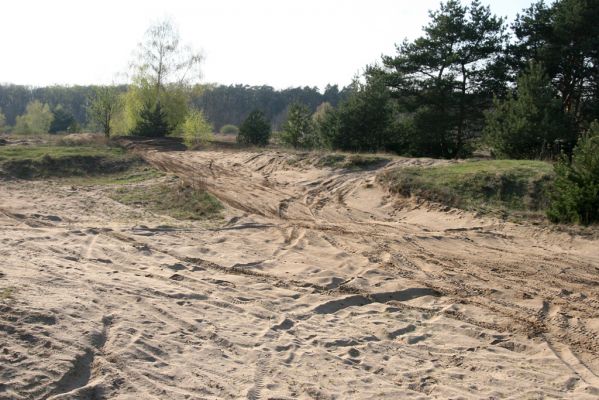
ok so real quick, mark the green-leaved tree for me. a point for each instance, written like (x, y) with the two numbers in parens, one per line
(36, 120)
(104, 106)
(164, 71)
(196, 130)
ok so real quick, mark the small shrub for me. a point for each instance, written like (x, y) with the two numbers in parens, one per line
(351, 162)
(360, 161)
(331, 160)
(229, 129)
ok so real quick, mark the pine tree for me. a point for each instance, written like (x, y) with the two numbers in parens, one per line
(326, 125)
(447, 77)
(153, 122)
(364, 120)
(576, 192)
(530, 124)
(63, 120)
(255, 129)
(298, 129)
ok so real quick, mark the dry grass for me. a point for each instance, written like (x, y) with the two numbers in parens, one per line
(181, 200)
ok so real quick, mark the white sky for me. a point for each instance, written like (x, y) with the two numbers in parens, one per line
(276, 42)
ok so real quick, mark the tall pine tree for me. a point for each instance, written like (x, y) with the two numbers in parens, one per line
(529, 124)
(447, 77)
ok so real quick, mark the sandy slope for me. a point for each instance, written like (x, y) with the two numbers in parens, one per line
(318, 285)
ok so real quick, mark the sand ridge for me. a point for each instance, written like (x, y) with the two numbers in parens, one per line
(319, 284)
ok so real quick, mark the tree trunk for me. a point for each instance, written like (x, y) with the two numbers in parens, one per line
(461, 115)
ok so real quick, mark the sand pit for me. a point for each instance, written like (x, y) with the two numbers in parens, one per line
(318, 284)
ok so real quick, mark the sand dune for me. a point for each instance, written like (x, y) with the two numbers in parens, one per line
(318, 285)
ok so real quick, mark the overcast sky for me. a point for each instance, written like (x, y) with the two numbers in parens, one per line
(275, 42)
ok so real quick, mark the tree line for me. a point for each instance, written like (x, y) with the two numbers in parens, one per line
(221, 104)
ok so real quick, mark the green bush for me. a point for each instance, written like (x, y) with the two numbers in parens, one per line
(255, 129)
(196, 129)
(229, 129)
(576, 193)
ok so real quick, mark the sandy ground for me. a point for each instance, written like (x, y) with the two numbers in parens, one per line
(317, 285)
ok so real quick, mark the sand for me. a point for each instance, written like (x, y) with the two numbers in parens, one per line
(318, 284)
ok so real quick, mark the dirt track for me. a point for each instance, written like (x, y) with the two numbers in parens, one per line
(319, 285)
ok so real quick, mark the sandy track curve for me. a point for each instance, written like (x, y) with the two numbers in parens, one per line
(319, 285)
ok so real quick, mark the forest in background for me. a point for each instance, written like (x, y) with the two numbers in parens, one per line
(221, 104)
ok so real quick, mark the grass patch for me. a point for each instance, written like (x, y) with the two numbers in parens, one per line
(7, 293)
(135, 174)
(364, 161)
(331, 160)
(44, 161)
(351, 161)
(29, 152)
(513, 187)
(180, 201)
